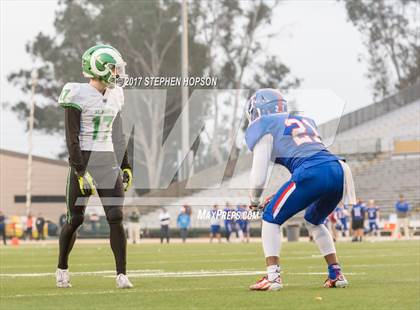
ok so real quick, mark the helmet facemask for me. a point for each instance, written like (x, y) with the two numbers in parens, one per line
(252, 112)
(264, 102)
(117, 75)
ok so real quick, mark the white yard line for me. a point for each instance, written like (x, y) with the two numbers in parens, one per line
(162, 262)
(160, 274)
(81, 273)
(66, 292)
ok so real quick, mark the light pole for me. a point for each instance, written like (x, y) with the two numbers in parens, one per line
(34, 81)
(184, 90)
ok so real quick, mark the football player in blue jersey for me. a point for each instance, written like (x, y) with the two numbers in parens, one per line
(358, 213)
(317, 182)
(228, 221)
(373, 217)
(243, 223)
(343, 216)
(215, 224)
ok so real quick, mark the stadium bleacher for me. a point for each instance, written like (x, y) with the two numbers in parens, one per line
(366, 138)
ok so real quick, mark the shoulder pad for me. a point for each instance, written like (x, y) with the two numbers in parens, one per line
(70, 96)
(266, 124)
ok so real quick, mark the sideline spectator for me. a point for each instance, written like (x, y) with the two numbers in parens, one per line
(40, 222)
(134, 227)
(243, 223)
(215, 225)
(62, 220)
(373, 217)
(29, 225)
(183, 222)
(3, 227)
(164, 219)
(228, 221)
(403, 210)
(358, 221)
(343, 217)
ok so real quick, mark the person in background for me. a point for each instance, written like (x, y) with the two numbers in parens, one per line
(62, 220)
(164, 219)
(134, 227)
(243, 223)
(373, 217)
(403, 209)
(29, 225)
(183, 222)
(228, 221)
(3, 227)
(343, 217)
(215, 225)
(40, 222)
(358, 220)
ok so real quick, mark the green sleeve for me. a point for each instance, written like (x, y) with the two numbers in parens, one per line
(70, 105)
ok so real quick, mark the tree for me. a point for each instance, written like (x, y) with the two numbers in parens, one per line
(147, 33)
(235, 30)
(391, 33)
(224, 41)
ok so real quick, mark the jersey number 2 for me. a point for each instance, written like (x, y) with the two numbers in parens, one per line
(302, 131)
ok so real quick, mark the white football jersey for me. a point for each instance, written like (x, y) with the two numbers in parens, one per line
(97, 113)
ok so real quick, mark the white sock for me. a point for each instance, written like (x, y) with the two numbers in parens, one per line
(273, 272)
(322, 238)
(271, 238)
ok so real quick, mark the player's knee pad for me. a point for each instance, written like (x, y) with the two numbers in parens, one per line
(322, 238)
(114, 215)
(76, 220)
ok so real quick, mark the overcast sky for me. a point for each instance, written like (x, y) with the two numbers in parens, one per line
(314, 39)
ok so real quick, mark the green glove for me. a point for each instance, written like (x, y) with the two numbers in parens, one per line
(127, 178)
(86, 184)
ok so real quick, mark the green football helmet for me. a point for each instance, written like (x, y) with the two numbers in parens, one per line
(104, 62)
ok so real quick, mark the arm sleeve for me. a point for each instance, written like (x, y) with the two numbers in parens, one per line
(72, 125)
(118, 139)
(260, 164)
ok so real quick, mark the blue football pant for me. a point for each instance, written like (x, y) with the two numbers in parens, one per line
(318, 189)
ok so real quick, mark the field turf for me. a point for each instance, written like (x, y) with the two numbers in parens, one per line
(382, 275)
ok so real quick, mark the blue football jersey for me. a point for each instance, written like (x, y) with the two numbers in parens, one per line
(242, 214)
(295, 140)
(340, 213)
(358, 212)
(372, 213)
(228, 215)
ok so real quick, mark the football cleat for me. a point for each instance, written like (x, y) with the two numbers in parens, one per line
(62, 277)
(335, 277)
(265, 285)
(123, 282)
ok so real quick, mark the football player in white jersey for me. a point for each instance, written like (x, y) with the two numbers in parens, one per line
(97, 154)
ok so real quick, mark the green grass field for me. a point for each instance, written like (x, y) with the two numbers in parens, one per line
(382, 275)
